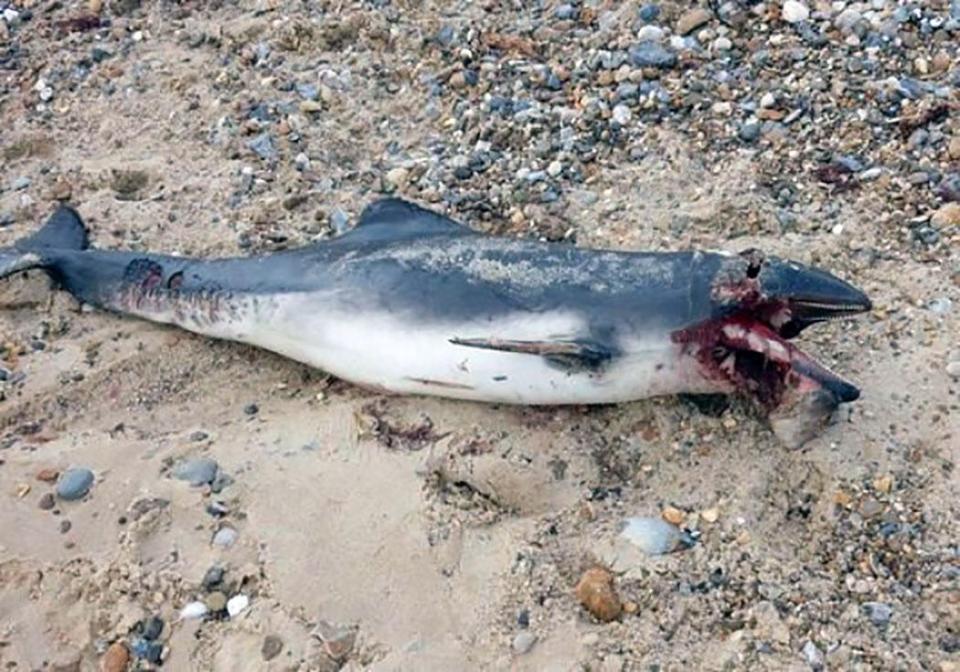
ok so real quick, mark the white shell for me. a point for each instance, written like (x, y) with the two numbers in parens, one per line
(236, 604)
(193, 610)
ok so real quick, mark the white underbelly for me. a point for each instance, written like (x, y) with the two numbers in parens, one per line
(381, 351)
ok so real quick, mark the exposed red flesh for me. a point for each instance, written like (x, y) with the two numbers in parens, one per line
(744, 353)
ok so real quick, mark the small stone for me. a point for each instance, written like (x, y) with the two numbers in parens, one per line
(251, 409)
(953, 370)
(21, 183)
(622, 114)
(194, 610)
(722, 44)
(870, 508)
(225, 537)
(651, 55)
(597, 594)
(115, 659)
(216, 601)
(946, 215)
(152, 627)
(673, 515)
(710, 515)
(47, 502)
(953, 149)
(212, 577)
(650, 33)
(262, 145)
(768, 100)
(566, 12)
(883, 484)
(65, 526)
(649, 13)
(655, 536)
(847, 19)
(879, 613)
(523, 642)
(554, 169)
(692, 19)
(272, 647)
(74, 483)
(197, 471)
(236, 605)
(397, 177)
(794, 11)
(813, 655)
(48, 475)
(338, 640)
(750, 131)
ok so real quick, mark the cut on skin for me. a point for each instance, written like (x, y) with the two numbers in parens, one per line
(412, 302)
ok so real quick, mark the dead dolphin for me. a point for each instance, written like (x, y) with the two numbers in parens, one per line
(410, 301)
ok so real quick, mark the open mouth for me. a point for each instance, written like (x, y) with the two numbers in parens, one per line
(749, 352)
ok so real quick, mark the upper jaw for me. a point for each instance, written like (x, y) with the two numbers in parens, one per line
(799, 296)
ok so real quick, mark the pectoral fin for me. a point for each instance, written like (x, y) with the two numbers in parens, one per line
(570, 355)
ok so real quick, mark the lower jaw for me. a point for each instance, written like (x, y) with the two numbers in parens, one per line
(798, 395)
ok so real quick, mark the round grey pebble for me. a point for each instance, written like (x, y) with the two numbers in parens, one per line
(225, 537)
(74, 483)
(523, 642)
(47, 502)
(197, 471)
(750, 131)
(879, 613)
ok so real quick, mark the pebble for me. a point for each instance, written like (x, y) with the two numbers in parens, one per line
(397, 177)
(216, 601)
(722, 44)
(236, 605)
(879, 613)
(263, 146)
(794, 11)
(523, 642)
(597, 594)
(251, 409)
(272, 647)
(953, 370)
(673, 515)
(692, 19)
(152, 627)
(655, 536)
(196, 471)
(813, 655)
(225, 537)
(48, 475)
(750, 131)
(212, 577)
(649, 13)
(622, 114)
(946, 215)
(566, 12)
(151, 651)
(21, 183)
(650, 33)
(47, 501)
(74, 483)
(941, 305)
(115, 659)
(651, 55)
(194, 610)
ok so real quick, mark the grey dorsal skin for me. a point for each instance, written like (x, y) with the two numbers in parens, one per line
(410, 301)
(402, 258)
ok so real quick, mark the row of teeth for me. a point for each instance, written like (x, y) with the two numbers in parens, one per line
(770, 348)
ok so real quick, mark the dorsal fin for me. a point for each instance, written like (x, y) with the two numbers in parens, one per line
(395, 218)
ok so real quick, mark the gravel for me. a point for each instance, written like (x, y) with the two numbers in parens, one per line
(74, 483)
(196, 471)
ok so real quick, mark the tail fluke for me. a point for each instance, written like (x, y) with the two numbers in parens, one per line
(64, 230)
